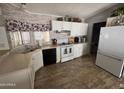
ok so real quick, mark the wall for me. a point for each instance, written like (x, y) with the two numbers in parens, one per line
(9, 11)
(100, 17)
(2, 20)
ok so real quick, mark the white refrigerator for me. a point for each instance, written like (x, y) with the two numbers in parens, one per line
(110, 54)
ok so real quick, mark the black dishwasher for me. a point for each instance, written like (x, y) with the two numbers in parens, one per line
(49, 56)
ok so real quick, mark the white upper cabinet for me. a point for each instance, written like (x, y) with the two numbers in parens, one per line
(84, 28)
(77, 29)
(67, 26)
(57, 25)
(60, 25)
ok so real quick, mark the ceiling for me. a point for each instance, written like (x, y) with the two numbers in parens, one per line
(83, 10)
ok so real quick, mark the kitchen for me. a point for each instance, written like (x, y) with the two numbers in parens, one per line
(37, 46)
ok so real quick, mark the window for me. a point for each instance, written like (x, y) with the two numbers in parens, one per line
(43, 36)
(19, 38)
(46, 36)
(15, 38)
(25, 37)
(38, 35)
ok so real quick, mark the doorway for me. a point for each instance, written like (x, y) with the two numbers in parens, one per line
(95, 37)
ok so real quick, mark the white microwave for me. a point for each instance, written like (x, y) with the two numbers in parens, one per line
(64, 32)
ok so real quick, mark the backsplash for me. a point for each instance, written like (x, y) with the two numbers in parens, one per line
(60, 37)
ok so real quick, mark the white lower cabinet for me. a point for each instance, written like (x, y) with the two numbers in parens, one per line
(85, 48)
(80, 49)
(37, 60)
(58, 54)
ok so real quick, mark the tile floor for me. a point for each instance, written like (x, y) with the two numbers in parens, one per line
(80, 73)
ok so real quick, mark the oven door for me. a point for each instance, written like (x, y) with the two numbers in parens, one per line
(70, 51)
(64, 52)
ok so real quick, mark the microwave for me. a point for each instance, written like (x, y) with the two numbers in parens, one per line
(64, 32)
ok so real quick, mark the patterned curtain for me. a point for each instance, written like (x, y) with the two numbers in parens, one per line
(15, 25)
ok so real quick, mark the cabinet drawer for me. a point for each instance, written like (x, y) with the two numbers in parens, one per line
(112, 65)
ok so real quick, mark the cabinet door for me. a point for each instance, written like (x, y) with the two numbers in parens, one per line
(58, 54)
(75, 51)
(84, 29)
(66, 26)
(80, 48)
(76, 29)
(37, 60)
(57, 25)
(85, 48)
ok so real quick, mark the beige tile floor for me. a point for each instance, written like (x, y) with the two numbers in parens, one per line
(80, 73)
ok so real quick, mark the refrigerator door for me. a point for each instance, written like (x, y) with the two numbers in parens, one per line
(112, 41)
(110, 64)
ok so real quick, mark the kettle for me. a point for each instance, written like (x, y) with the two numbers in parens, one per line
(54, 41)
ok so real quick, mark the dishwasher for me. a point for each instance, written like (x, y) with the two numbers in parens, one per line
(49, 56)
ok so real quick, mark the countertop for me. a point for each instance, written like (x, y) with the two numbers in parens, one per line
(41, 48)
(58, 45)
(49, 46)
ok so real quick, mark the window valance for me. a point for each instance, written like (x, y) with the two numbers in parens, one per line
(16, 25)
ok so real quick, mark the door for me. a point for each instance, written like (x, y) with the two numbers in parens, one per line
(95, 37)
